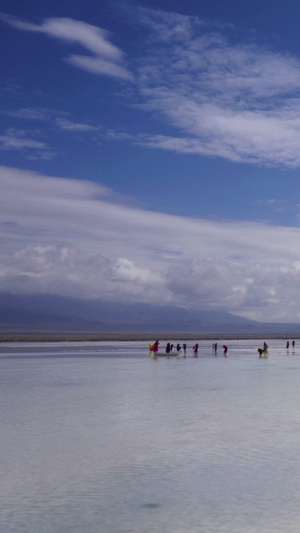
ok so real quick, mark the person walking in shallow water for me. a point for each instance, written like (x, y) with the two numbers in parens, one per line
(195, 348)
(184, 350)
(154, 347)
(225, 348)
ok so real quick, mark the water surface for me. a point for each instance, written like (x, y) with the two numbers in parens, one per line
(98, 437)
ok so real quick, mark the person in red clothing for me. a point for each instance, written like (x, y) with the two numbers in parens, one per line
(225, 348)
(154, 347)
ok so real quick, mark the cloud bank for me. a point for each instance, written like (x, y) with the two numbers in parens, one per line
(74, 238)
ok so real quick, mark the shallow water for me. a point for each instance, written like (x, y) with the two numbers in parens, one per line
(98, 437)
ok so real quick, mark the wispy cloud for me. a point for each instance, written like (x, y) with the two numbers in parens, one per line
(219, 94)
(53, 117)
(106, 58)
(230, 99)
(19, 140)
(28, 113)
(76, 127)
(64, 235)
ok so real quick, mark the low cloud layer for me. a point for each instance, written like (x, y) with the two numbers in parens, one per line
(74, 238)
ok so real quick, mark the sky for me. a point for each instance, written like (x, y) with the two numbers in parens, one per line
(150, 152)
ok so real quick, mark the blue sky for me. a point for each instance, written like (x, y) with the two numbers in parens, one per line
(150, 151)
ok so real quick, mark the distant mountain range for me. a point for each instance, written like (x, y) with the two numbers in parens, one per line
(47, 313)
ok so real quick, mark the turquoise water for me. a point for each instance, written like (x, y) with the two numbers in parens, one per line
(98, 437)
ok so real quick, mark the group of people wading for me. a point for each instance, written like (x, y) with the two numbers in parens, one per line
(263, 352)
(175, 350)
(171, 349)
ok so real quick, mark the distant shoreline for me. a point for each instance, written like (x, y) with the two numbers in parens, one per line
(125, 336)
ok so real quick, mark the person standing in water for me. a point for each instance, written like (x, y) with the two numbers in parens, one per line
(184, 350)
(225, 348)
(154, 347)
(195, 348)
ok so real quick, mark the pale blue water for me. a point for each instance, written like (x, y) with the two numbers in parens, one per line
(98, 437)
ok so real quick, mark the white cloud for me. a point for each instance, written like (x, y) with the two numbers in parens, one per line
(28, 113)
(106, 58)
(72, 237)
(18, 140)
(76, 127)
(59, 119)
(235, 100)
(220, 95)
(97, 65)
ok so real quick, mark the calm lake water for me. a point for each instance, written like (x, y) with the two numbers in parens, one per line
(98, 437)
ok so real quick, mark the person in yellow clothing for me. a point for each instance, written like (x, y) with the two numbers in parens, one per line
(265, 350)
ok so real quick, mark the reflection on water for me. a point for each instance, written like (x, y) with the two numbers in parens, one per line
(98, 437)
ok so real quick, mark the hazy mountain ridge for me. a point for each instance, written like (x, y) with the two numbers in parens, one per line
(53, 313)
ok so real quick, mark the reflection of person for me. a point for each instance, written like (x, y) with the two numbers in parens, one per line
(225, 348)
(195, 348)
